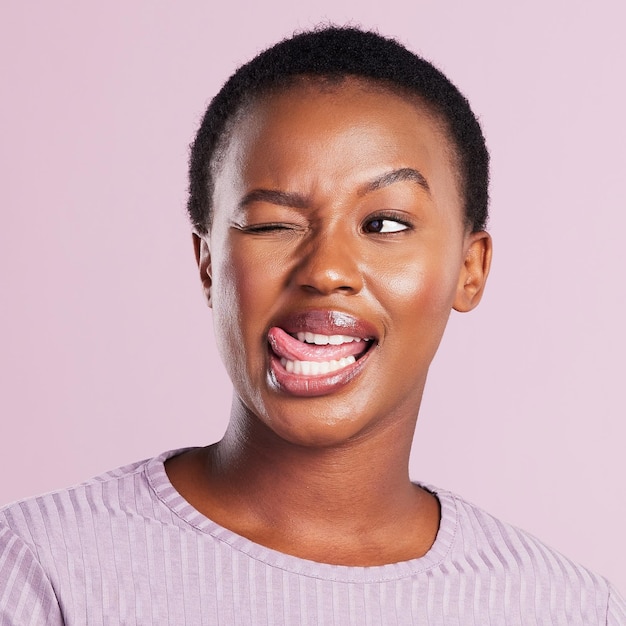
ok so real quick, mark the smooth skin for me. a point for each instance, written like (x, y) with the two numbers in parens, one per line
(335, 198)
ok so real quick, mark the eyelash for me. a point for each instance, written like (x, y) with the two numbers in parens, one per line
(382, 217)
(387, 217)
(266, 228)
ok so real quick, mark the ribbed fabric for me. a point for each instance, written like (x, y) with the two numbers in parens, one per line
(126, 548)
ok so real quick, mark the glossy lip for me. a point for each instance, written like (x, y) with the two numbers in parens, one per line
(322, 322)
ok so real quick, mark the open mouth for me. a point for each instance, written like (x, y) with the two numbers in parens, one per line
(316, 352)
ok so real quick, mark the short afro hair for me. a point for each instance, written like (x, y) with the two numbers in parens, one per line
(335, 53)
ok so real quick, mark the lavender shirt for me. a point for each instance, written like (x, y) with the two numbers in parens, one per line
(126, 548)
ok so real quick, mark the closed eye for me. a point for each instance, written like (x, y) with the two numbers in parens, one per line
(267, 228)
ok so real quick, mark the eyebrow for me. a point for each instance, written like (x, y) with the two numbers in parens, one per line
(273, 196)
(395, 176)
(300, 201)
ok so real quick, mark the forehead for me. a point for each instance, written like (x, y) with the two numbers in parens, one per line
(329, 135)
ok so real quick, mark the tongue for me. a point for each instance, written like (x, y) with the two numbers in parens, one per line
(284, 345)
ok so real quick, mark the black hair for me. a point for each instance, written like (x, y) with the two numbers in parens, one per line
(336, 53)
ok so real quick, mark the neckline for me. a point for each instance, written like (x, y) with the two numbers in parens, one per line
(173, 500)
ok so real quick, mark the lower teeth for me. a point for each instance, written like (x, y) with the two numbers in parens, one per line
(313, 368)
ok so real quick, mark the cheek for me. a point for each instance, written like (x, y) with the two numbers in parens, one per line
(416, 285)
(228, 307)
(246, 279)
(243, 288)
(422, 292)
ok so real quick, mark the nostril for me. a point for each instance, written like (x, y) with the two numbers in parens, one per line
(318, 288)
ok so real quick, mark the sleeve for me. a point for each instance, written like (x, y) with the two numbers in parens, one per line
(26, 593)
(616, 612)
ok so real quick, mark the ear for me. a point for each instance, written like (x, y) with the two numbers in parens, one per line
(203, 259)
(473, 276)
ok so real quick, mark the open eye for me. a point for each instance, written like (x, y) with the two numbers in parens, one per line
(384, 225)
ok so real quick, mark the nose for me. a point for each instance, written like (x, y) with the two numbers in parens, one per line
(327, 265)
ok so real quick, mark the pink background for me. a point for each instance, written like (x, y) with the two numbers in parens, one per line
(107, 353)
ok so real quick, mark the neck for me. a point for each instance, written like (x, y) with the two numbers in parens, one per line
(283, 483)
(351, 503)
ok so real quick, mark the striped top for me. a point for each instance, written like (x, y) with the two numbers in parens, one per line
(126, 548)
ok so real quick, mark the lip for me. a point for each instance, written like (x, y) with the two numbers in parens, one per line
(327, 323)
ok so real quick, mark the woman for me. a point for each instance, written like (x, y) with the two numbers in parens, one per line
(338, 195)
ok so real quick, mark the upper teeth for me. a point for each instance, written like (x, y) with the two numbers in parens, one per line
(322, 340)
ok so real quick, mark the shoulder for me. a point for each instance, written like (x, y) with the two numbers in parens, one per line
(40, 516)
(526, 570)
(65, 543)
(85, 518)
(507, 549)
(35, 536)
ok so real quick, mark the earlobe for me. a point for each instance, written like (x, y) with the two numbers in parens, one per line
(474, 272)
(203, 259)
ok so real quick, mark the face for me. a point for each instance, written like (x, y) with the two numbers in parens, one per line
(336, 253)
